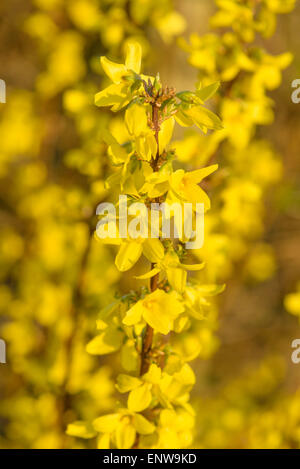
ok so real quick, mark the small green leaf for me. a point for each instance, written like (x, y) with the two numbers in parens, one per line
(208, 91)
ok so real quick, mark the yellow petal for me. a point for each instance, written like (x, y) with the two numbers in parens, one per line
(126, 383)
(152, 144)
(113, 70)
(134, 314)
(142, 425)
(133, 56)
(148, 275)
(129, 253)
(103, 441)
(177, 279)
(113, 95)
(185, 376)
(165, 133)
(157, 318)
(208, 91)
(142, 147)
(107, 423)
(195, 194)
(183, 120)
(153, 249)
(199, 174)
(160, 309)
(117, 153)
(140, 398)
(204, 117)
(130, 358)
(153, 375)
(108, 341)
(136, 120)
(125, 436)
(81, 429)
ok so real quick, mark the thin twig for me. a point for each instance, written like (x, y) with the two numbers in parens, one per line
(148, 337)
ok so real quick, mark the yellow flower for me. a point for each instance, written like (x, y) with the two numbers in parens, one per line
(184, 186)
(159, 309)
(121, 428)
(119, 94)
(176, 272)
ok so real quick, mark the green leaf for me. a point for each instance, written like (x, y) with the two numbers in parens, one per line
(126, 383)
(183, 120)
(108, 310)
(188, 97)
(208, 91)
(156, 318)
(129, 253)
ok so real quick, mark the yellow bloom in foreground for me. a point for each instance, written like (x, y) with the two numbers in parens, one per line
(159, 309)
(118, 94)
(116, 71)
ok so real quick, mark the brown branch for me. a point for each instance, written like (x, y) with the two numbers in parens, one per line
(156, 127)
(148, 337)
(63, 401)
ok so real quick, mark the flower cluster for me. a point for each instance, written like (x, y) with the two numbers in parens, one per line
(52, 177)
(160, 378)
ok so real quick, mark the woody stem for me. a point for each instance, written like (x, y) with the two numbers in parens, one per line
(148, 337)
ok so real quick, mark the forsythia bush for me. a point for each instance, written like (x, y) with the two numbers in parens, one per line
(52, 174)
(157, 414)
(235, 225)
(250, 165)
